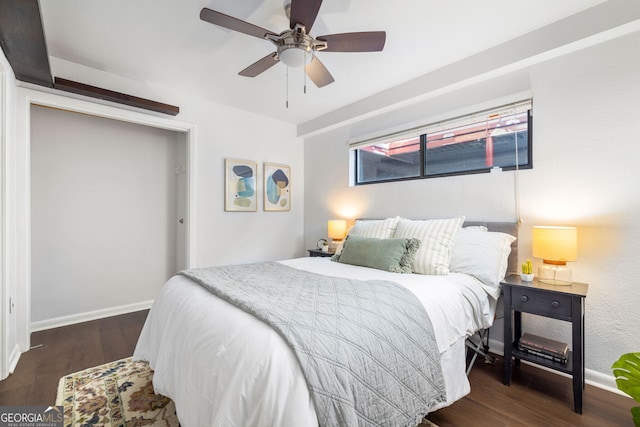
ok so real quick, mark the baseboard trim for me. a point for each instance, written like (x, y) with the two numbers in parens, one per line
(14, 356)
(57, 322)
(594, 378)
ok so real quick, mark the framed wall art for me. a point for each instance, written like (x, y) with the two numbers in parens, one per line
(277, 187)
(240, 192)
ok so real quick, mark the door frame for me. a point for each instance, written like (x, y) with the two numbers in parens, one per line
(27, 97)
(8, 352)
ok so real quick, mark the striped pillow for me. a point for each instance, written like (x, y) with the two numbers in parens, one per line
(437, 236)
(378, 228)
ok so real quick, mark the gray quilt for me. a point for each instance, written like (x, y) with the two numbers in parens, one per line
(366, 348)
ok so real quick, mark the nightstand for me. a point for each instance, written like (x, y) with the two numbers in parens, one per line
(556, 302)
(318, 252)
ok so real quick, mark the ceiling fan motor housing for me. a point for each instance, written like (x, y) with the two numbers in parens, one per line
(295, 47)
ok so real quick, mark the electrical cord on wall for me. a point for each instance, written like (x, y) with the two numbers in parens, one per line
(517, 174)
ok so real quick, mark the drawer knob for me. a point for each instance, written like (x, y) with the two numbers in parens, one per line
(555, 304)
(524, 298)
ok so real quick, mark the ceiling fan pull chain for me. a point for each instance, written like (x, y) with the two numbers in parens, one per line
(304, 73)
(287, 103)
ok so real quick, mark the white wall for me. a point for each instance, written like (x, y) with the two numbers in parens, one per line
(103, 212)
(585, 151)
(238, 237)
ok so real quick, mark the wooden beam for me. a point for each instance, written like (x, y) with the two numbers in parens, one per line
(22, 40)
(109, 95)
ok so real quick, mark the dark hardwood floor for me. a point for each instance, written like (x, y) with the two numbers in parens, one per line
(66, 350)
(535, 398)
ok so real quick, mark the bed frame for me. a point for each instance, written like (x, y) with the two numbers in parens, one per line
(478, 343)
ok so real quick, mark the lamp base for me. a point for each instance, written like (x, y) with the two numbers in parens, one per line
(553, 274)
(334, 245)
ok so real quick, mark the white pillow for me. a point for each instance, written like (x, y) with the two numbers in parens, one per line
(476, 228)
(376, 228)
(437, 236)
(484, 255)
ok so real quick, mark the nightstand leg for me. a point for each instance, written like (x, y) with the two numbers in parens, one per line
(577, 333)
(517, 332)
(582, 340)
(508, 337)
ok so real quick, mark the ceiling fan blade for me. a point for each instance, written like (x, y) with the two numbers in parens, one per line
(304, 12)
(260, 66)
(231, 23)
(371, 41)
(318, 73)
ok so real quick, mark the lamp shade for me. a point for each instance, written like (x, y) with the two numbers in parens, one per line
(555, 245)
(294, 57)
(336, 229)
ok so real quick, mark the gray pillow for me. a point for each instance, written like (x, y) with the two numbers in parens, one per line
(394, 255)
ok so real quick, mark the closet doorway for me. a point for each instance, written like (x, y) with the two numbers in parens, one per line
(109, 203)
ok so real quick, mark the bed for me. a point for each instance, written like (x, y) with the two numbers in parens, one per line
(223, 366)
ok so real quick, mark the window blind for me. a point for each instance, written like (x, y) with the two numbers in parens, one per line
(483, 116)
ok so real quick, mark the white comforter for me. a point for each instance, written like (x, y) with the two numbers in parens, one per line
(223, 367)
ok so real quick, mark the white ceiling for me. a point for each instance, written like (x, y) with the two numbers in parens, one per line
(163, 42)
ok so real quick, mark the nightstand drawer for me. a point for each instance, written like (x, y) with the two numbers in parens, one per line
(542, 303)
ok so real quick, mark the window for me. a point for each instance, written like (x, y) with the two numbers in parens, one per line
(476, 143)
(389, 160)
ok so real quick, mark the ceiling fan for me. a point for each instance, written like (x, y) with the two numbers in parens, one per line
(294, 46)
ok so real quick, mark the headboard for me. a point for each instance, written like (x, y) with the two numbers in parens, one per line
(503, 227)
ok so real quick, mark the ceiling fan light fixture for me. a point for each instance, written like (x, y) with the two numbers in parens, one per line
(294, 57)
(294, 47)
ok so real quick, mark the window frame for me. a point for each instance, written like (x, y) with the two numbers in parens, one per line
(423, 140)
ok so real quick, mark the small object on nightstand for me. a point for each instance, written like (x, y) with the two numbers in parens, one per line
(527, 271)
(323, 245)
(556, 302)
(544, 347)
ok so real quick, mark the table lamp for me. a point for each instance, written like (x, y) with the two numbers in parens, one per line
(336, 230)
(556, 246)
